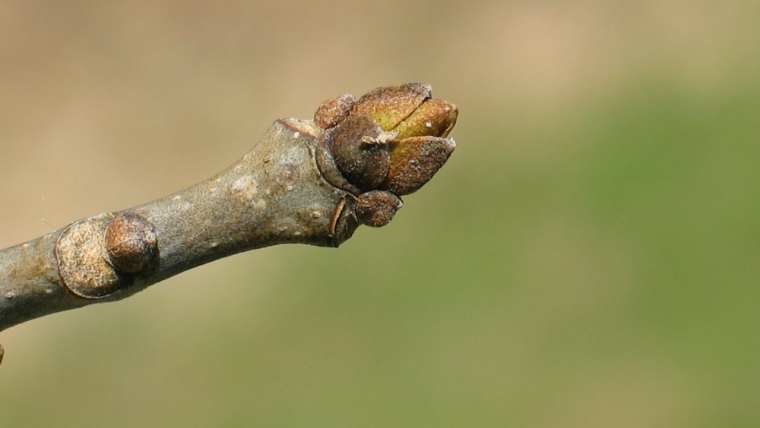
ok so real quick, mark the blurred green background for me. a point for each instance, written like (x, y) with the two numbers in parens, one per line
(587, 258)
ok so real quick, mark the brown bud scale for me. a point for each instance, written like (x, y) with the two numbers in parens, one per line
(435, 118)
(360, 154)
(414, 161)
(389, 105)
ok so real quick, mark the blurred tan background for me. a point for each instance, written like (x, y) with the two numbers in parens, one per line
(587, 258)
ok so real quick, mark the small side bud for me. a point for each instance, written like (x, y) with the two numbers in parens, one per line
(131, 243)
(377, 208)
(333, 111)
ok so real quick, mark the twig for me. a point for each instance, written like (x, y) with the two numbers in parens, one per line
(310, 182)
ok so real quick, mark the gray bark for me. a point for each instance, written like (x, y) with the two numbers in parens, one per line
(274, 195)
(309, 182)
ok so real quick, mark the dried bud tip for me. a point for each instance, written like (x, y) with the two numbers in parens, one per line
(131, 243)
(377, 208)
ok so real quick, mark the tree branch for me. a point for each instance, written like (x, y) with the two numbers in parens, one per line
(310, 182)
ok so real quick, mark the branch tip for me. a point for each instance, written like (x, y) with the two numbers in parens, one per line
(306, 181)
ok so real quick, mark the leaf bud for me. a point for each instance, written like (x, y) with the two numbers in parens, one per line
(333, 111)
(131, 243)
(393, 138)
(376, 208)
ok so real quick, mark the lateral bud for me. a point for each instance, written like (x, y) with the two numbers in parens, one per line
(333, 111)
(377, 208)
(100, 255)
(131, 242)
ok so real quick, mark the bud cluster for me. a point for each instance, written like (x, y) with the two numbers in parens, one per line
(386, 144)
